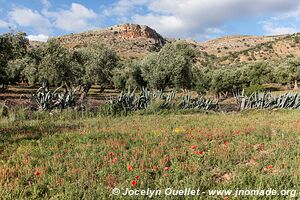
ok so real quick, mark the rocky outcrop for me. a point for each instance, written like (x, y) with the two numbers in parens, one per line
(131, 31)
(128, 40)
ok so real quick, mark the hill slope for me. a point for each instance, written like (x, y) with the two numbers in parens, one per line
(133, 41)
(128, 40)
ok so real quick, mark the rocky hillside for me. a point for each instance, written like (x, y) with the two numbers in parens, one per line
(129, 40)
(136, 41)
(255, 48)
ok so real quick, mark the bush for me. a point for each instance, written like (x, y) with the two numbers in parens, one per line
(254, 89)
(110, 109)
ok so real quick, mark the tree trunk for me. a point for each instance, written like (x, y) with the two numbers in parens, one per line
(101, 89)
(296, 85)
(83, 95)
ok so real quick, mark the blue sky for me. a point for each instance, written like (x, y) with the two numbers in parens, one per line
(190, 19)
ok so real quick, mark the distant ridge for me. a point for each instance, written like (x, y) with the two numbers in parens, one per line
(134, 41)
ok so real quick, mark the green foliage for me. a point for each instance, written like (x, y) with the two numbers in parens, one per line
(12, 46)
(293, 67)
(129, 75)
(57, 65)
(97, 63)
(226, 80)
(172, 66)
(257, 73)
(254, 89)
(202, 79)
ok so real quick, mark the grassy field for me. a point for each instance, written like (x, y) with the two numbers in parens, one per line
(73, 156)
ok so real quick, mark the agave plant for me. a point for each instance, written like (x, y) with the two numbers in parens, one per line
(198, 103)
(129, 101)
(266, 100)
(47, 100)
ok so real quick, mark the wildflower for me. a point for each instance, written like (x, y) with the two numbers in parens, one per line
(177, 130)
(270, 167)
(129, 168)
(166, 168)
(115, 160)
(265, 170)
(155, 168)
(36, 173)
(133, 182)
(175, 149)
(26, 161)
(112, 154)
(226, 142)
(165, 175)
(194, 147)
(137, 177)
(198, 152)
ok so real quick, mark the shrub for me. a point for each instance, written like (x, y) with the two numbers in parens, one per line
(254, 89)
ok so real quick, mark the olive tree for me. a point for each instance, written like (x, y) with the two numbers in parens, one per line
(129, 75)
(172, 66)
(12, 46)
(97, 63)
(293, 68)
(57, 65)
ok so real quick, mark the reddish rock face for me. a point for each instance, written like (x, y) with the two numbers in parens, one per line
(130, 31)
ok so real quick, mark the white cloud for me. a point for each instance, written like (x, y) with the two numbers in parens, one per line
(46, 3)
(285, 23)
(74, 19)
(124, 7)
(26, 17)
(295, 14)
(274, 29)
(40, 37)
(190, 18)
(4, 24)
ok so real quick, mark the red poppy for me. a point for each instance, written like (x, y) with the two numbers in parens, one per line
(165, 175)
(26, 161)
(194, 147)
(175, 149)
(137, 177)
(133, 182)
(198, 152)
(166, 168)
(155, 168)
(270, 167)
(37, 173)
(129, 168)
(115, 160)
(226, 142)
(112, 154)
